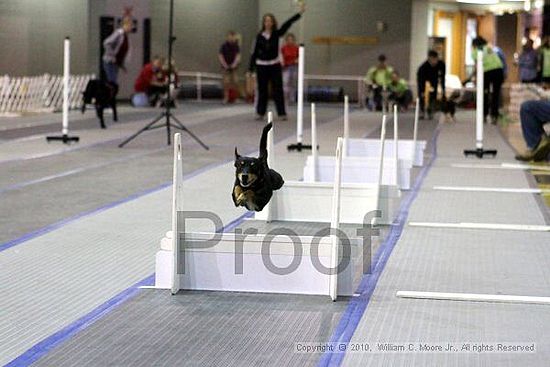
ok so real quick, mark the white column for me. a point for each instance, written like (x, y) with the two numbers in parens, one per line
(66, 86)
(479, 100)
(395, 145)
(300, 107)
(335, 220)
(346, 126)
(270, 162)
(314, 152)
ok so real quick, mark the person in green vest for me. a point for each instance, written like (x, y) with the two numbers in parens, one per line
(493, 77)
(378, 78)
(544, 60)
(400, 93)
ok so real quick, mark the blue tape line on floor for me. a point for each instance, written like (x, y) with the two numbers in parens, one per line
(42, 348)
(39, 350)
(357, 305)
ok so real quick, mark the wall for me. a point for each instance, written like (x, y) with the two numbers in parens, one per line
(32, 33)
(350, 18)
(200, 28)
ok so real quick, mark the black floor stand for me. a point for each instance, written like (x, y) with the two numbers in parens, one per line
(170, 122)
(66, 139)
(480, 152)
(169, 119)
(298, 147)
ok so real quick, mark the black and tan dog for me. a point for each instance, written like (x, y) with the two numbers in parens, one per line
(254, 180)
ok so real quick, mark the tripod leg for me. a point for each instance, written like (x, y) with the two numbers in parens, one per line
(168, 115)
(147, 127)
(182, 127)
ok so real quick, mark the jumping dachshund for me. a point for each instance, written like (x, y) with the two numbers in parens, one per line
(254, 180)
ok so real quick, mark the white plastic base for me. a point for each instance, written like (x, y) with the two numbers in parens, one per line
(213, 268)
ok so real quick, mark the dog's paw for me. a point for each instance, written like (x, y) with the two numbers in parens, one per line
(241, 199)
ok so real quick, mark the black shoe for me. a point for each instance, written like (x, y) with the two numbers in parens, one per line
(259, 117)
(540, 153)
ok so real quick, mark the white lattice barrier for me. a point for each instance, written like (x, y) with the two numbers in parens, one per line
(39, 93)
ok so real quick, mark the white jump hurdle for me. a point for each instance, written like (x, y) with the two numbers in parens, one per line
(412, 150)
(363, 168)
(310, 201)
(212, 265)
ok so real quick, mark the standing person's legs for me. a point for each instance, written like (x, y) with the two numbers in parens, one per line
(262, 75)
(277, 89)
(431, 103)
(497, 79)
(286, 83)
(487, 82)
(293, 83)
(111, 72)
(533, 116)
(377, 98)
(226, 85)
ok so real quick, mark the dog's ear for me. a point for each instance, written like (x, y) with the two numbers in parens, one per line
(237, 156)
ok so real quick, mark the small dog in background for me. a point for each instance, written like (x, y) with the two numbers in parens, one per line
(448, 108)
(254, 180)
(103, 95)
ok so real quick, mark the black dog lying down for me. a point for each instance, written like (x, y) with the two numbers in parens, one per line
(102, 94)
(254, 180)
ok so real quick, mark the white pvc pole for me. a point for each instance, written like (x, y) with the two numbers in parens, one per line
(66, 86)
(395, 145)
(380, 164)
(415, 128)
(270, 161)
(270, 145)
(473, 297)
(314, 152)
(346, 126)
(300, 107)
(416, 112)
(479, 100)
(335, 220)
(177, 205)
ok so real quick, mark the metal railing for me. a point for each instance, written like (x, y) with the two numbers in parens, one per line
(359, 80)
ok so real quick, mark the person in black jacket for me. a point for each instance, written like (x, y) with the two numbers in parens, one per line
(432, 71)
(265, 60)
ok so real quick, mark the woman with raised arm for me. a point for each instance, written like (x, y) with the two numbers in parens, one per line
(266, 61)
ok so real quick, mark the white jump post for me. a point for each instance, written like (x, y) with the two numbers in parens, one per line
(479, 151)
(65, 138)
(346, 126)
(396, 145)
(177, 205)
(314, 144)
(270, 161)
(335, 220)
(299, 146)
(380, 164)
(415, 128)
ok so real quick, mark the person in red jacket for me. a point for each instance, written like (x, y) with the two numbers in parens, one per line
(152, 80)
(290, 67)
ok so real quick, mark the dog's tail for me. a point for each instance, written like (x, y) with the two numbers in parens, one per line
(263, 141)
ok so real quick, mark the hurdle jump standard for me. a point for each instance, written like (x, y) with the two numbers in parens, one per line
(364, 169)
(479, 152)
(309, 201)
(64, 137)
(207, 261)
(412, 150)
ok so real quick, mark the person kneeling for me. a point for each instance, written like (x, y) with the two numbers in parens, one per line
(400, 92)
(534, 115)
(150, 84)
